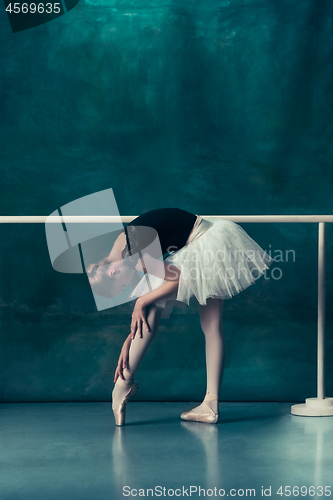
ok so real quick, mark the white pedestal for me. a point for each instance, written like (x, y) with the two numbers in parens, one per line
(314, 407)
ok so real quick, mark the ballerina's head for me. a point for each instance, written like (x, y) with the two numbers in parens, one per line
(109, 278)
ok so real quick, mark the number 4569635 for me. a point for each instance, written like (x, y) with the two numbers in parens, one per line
(33, 8)
(302, 491)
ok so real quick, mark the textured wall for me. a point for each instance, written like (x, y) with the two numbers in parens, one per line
(216, 107)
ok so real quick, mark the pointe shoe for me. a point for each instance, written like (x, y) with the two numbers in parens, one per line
(120, 412)
(209, 417)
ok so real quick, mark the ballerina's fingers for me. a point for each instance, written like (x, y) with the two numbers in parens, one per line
(123, 360)
(119, 372)
(138, 318)
(134, 328)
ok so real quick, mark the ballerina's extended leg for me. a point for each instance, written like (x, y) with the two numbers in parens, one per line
(211, 324)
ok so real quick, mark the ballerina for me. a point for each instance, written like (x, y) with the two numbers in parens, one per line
(206, 259)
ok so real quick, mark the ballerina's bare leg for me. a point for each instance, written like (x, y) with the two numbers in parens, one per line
(212, 327)
(137, 351)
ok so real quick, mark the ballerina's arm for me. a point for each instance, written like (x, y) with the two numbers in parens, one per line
(167, 272)
(170, 274)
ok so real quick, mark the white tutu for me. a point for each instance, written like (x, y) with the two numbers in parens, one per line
(219, 260)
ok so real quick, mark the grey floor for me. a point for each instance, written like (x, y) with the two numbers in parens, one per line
(74, 451)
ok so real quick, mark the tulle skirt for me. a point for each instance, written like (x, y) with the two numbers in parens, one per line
(219, 260)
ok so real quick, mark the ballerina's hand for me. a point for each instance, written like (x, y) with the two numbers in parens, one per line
(138, 317)
(123, 359)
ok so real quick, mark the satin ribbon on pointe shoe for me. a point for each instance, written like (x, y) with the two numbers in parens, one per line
(209, 417)
(120, 412)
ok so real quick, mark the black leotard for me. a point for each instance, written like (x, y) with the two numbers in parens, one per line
(173, 227)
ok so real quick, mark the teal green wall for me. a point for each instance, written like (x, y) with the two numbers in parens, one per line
(215, 107)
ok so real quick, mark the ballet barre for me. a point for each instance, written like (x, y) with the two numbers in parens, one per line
(316, 407)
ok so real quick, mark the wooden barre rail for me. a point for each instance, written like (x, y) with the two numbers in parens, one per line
(14, 219)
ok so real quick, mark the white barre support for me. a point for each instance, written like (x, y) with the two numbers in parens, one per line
(319, 406)
(315, 407)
